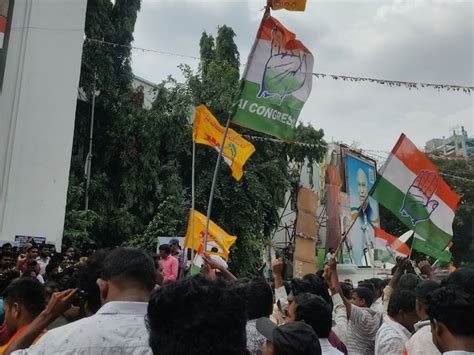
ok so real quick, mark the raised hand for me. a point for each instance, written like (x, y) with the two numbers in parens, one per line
(285, 71)
(418, 204)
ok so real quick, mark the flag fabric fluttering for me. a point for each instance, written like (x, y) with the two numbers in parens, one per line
(217, 237)
(410, 186)
(290, 5)
(420, 244)
(276, 83)
(207, 130)
(389, 244)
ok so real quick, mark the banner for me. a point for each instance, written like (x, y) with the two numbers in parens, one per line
(290, 5)
(410, 186)
(360, 173)
(207, 130)
(217, 237)
(276, 83)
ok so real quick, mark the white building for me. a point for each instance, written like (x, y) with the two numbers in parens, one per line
(148, 89)
(42, 47)
(458, 144)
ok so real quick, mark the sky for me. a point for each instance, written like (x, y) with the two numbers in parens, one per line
(417, 40)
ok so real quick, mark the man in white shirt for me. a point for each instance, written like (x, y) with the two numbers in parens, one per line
(398, 323)
(363, 323)
(43, 258)
(126, 282)
(451, 312)
(377, 305)
(421, 342)
(317, 313)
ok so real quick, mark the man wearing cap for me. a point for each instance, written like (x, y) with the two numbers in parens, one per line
(295, 338)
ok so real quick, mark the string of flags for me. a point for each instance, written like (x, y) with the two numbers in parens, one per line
(391, 83)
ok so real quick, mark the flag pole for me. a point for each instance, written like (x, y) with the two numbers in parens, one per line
(214, 180)
(193, 200)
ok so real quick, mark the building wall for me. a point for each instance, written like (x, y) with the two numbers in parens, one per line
(37, 109)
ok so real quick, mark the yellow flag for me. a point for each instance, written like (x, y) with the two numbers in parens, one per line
(290, 5)
(207, 130)
(217, 237)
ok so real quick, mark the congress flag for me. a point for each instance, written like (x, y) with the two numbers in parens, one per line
(411, 187)
(276, 82)
(207, 130)
(290, 5)
(390, 244)
(217, 236)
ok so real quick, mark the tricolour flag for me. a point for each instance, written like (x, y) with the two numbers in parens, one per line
(390, 244)
(276, 82)
(290, 5)
(217, 237)
(410, 186)
(207, 130)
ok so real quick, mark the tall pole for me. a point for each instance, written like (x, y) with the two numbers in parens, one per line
(91, 134)
(214, 179)
(193, 200)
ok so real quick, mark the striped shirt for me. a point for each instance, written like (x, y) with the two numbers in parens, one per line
(361, 331)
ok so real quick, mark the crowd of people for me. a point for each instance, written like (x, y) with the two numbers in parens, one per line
(127, 301)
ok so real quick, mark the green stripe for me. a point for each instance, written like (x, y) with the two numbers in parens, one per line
(425, 248)
(392, 198)
(248, 103)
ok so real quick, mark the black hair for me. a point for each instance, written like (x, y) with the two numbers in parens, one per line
(129, 266)
(6, 253)
(401, 301)
(423, 289)
(42, 246)
(28, 292)
(408, 282)
(166, 248)
(197, 316)
(378, 283)
(7, 245)
(462, 278)
(454, 307)
(346, 289)
(258, 298)
(385, 283)
(87, 279)
(366, 294)
(367, 284)
(314, 311)
(312, 284)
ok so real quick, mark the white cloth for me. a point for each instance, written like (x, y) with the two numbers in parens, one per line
(421, 342)
(117, 328)
(339, 314)
(255, 340)
(327, 348)
(43, 263)
(377, 306)
(391, 338)
(361, 331)
(458, 352)
(218, 259)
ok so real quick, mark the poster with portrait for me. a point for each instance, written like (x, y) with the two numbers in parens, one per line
(361, 174)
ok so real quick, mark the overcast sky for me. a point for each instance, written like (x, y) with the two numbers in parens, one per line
(424, 41)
